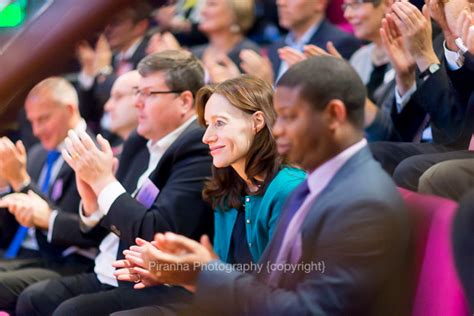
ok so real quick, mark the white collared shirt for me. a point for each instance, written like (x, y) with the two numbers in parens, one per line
(298, 45)
(109, 246)
(30, 241)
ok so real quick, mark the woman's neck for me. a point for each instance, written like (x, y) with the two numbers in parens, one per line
(223, 42)
(240, 170)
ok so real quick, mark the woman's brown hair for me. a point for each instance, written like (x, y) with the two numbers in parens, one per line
(248, 94)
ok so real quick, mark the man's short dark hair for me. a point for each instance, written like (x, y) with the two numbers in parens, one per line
(183, 71)
(138, 10)
(324, 78)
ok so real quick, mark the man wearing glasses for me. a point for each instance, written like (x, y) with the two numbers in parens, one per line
(157, 188)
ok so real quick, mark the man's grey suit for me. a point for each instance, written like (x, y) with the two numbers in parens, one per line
(357, 227)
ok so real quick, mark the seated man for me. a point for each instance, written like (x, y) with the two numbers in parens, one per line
(445, 92)
(122, 113)
(119, 50)
(157, 188)
(342, 236)
(306, 23)
(43, 247)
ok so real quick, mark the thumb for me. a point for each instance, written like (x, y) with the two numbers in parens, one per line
(104, 145)
(20, 148)
(206, 243)
(332, 49)
(115, 165)
(426, 13)
(32, 193)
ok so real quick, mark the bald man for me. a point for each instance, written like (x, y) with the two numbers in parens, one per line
(42, 208)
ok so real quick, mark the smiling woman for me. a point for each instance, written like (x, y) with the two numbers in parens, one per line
(250, 181)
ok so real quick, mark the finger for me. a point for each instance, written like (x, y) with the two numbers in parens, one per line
(115, 165)
(20, 148)
(104, 145)
(465, 26)
(76, 147)
(400, 11)
(67, 156)
(86, 140)
(393, 29)
(122, 264)
(426, 13)
(470, 40)
(385, 40)
(206, 242)
(332, 50)
(135, 260)
(398, 21)
(313, 50)
(9, 147)
(181, 242)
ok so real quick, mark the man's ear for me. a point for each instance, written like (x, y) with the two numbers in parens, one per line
(258, 121)
(70, 109)
(337, 112)
(187, 100)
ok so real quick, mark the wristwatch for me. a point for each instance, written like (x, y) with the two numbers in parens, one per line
(429, 71)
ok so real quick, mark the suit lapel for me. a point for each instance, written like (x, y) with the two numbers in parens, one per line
(161, 173)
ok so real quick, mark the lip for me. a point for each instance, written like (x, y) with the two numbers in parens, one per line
(283, 148)
(215, 149)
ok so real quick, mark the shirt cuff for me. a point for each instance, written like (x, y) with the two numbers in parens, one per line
(52, 217)
(92, 220)
(451, 58)
(402, 101)
(108, 195)
(85, 81)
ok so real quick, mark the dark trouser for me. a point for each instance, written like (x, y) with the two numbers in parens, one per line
(29, 268)
(391, 154)
(450, 179)
(406, 162)
(85, 295)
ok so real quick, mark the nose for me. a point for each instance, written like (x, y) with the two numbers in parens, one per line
(277, 129)
(108, 105)
(139, 104)
(208, 136)
(36, 128)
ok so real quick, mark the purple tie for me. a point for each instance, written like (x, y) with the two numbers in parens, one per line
(296, 200)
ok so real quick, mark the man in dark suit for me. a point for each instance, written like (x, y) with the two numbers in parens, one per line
(43, 247)
(306, 23)
(342, 235)
(117, 51)
(445, 93)
(157, 188)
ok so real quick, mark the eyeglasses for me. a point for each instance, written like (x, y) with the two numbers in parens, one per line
(147, 93)
(354, 5)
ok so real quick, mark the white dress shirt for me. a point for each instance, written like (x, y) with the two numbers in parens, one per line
(109, 246)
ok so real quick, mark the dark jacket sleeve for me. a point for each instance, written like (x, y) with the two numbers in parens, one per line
(179, 206)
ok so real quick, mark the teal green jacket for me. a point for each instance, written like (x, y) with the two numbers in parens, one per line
(261, 214)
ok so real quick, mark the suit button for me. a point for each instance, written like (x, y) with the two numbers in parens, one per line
(250, 244)
(248, 221)
(247, 199)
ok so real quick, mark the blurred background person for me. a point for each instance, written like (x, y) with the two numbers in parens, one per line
(120, 48)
